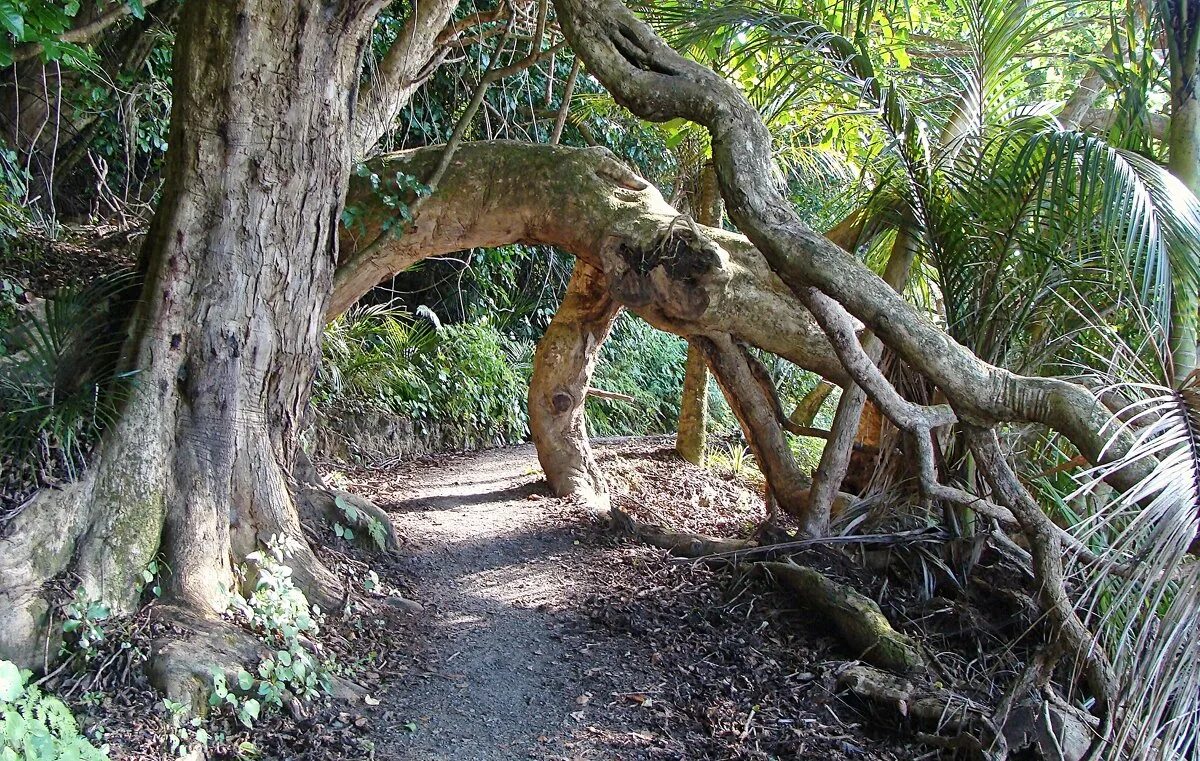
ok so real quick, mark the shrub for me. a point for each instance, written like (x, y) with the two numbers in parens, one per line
(38, 727)
(467, 380)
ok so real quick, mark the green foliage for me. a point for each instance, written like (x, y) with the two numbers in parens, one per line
(646, 364)
(60, 389)
(467, 380)
(185, 729)
(37, 22)
(397, 196)
(14, 182)
(129, 113)
(83, 625)
(38, 727)
(279, 614)
(1143, 595)
(355, 517)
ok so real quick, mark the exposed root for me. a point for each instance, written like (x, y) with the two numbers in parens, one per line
(857, 618)
(947, 720)
(682, 544)
(182, 662)
(320, 506)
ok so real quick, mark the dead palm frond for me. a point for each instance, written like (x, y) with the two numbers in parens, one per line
(1143, 598)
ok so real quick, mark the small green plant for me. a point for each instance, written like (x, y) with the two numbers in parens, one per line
(740, 457)
(279, 614)
(38, 727)
(185, 729)
(150, 576)
(83, 627)
(356, 517)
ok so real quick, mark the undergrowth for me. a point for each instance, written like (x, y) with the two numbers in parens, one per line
(38, 727)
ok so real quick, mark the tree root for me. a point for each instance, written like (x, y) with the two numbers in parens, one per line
(856, 617)
(948, 720)
(183, 660)
(684, 545)
(320, 506)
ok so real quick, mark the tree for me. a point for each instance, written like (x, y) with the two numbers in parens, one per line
(693, 407)
(239, 277)
(238, 267)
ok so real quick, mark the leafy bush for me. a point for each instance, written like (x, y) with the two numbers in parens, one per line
(466, 380)
(279, 615)
(38, 727)
(648, 365)
(58, 385)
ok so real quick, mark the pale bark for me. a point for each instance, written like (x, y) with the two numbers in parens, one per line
(835, 457)
(412, 59)
(644, 74)
(562, 369)
(808, 407)
(225, 340)
(760, 419)
(693, 408)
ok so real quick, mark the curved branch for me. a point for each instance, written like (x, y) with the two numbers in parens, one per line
(413, 57)
(680, 277)
(645, 75)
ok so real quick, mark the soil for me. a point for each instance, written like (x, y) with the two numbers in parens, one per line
(543, 637)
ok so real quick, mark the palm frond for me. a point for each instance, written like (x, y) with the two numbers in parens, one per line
(1143, 599)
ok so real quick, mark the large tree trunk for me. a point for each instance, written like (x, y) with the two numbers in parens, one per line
(238, 271)
(562, 369)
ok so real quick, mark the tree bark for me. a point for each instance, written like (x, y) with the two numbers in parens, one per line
(693, 407)
(760, 421)
(412, 59)
(808, 407)
(562, 369)
(1183, 151)
(225, 341)
(835, 457)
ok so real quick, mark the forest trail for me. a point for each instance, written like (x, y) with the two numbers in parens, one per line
(545, 636)
(495, 560)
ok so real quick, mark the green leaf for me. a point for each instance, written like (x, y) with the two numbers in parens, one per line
(137, 9)
(12, 683)
(12, 19)
(251, 707)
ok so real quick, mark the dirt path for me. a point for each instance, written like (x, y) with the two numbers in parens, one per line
(544, 637)
(496, 561)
